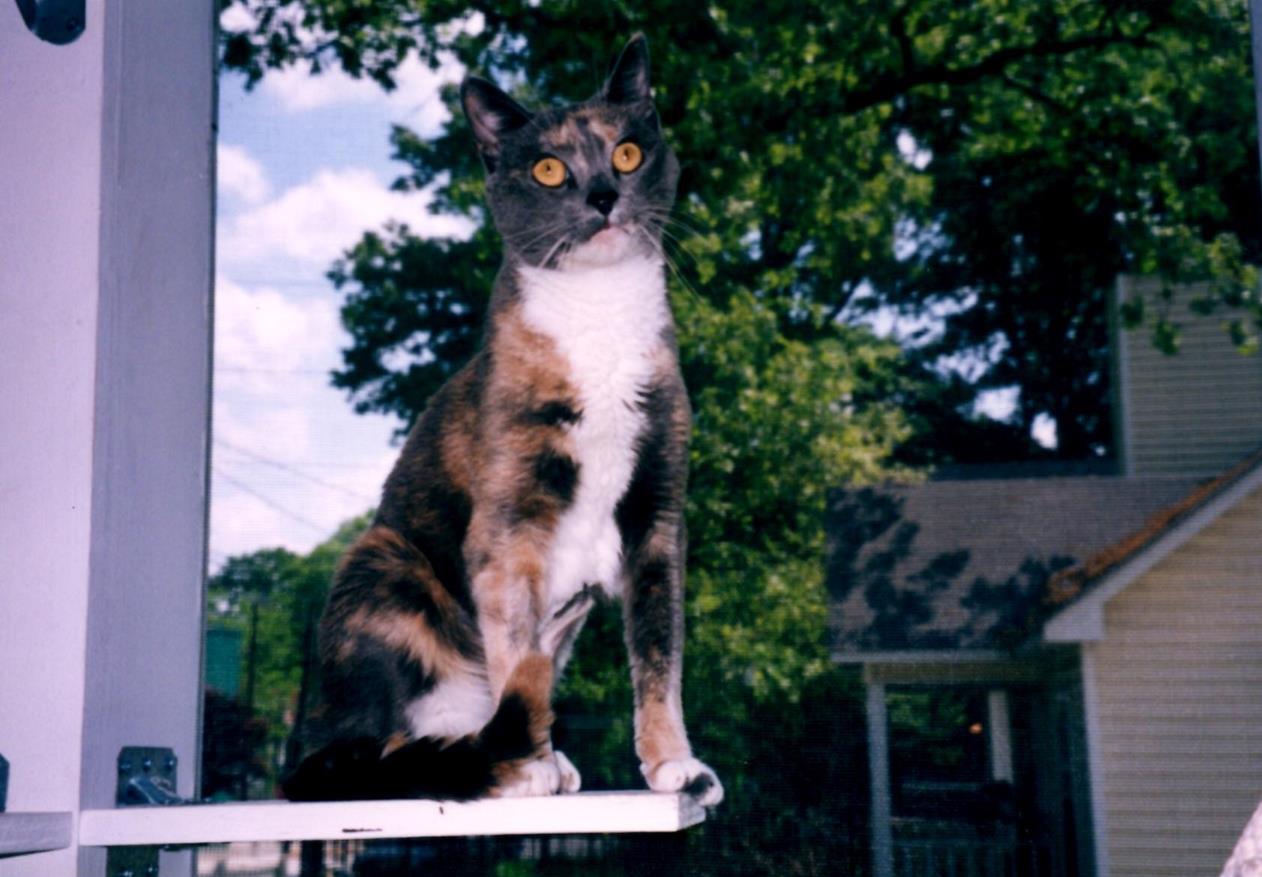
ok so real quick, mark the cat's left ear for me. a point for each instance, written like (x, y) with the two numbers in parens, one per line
(492, 114)
(628, 83)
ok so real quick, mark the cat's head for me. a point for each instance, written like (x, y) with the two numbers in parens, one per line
(578, 186)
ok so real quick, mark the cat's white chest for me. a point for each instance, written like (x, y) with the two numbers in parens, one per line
(607, 323)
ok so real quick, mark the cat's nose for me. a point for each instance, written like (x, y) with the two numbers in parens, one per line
(603, 200)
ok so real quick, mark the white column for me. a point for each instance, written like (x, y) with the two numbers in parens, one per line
(1095, 767)
(106, 237)
(879, 770)
(999, 726)
(51, 107)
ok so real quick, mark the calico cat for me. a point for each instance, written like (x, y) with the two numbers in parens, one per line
(550, 468)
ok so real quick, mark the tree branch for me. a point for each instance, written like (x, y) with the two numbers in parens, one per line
(887, 88)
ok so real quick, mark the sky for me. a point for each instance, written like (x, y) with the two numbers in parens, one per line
(304, 170)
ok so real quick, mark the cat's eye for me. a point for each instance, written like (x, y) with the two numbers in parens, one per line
(549, 172)
(627, 157)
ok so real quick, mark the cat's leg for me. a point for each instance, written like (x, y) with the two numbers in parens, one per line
(654, 625)
(556, 639)
(506, 573)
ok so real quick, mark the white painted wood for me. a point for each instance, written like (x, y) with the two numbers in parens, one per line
(34, 832)
(1083, 620)
(106, 236)
(926, 656)
(48, 243)
(588, 812)
(999, 735)
(50, 114)
(1095, 760)
(879, 781)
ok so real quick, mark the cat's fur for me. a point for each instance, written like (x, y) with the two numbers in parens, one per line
(550, 467)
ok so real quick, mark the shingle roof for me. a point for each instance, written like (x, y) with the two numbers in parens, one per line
(966, 564)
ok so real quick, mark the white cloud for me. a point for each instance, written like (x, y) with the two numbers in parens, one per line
(291, 461)
(315, 222)
(415, 99)
(262, 333)
(241, 175)
(236, 19)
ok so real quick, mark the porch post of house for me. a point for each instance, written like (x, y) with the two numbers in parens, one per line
(879, 783)
(106, 239)
(999, 736)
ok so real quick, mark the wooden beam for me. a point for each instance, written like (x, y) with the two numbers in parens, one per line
(34, 832)
(586, 813)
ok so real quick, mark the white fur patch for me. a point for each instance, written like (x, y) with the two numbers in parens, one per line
(607, 322)
(686, 774)
(540, 777)
(452, 709)
(571, 781)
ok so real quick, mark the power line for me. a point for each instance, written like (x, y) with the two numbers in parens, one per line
(249, 370)
(286, 467)
(269, 502)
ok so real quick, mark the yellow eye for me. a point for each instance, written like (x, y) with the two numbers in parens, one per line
(627, 157)
(549, 172)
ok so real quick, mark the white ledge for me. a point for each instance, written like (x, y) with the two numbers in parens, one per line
(34, 832)
(586, 813)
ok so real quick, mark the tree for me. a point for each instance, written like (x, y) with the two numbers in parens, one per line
(974, 167)
(984, 168)
(275, 597)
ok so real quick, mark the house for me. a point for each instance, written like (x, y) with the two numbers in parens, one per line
(1064, 672)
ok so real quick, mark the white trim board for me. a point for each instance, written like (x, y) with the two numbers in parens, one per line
(585, 813)
(1083, 620)
(34, 832)
(926, 656)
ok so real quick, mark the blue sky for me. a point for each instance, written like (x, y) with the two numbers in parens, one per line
(304, 170)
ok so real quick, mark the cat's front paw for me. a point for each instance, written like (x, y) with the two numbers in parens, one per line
(571, 780)
(687, 775)
(539, 777)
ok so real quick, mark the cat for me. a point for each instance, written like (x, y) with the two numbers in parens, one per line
(549, 470)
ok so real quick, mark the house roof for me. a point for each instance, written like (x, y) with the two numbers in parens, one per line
(966, 564)
(1068, 585)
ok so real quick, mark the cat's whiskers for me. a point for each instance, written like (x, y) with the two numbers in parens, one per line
(557, 250)
(660, 249)
(536, 236)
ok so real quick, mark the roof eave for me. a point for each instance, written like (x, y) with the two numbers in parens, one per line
(1083, 619)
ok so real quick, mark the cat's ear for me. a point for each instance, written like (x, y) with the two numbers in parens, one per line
(492, 114)
(628, 82)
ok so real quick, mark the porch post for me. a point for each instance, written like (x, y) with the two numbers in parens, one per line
(879, 783)
(999, 736)
(106, 237)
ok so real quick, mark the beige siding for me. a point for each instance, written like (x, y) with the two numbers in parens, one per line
(1179, 693)
(1196, 413)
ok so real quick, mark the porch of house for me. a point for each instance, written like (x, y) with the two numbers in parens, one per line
(978, 765)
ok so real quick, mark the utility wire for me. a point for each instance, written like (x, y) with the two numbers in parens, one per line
(268, 501)
(285, 467)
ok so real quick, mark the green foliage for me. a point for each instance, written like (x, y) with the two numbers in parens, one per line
(988, 167)
(275, 598)
(984, 169)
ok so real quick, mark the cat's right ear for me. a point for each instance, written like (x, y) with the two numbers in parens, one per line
(491, 114)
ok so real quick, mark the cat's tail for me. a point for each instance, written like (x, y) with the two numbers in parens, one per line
(470, 767)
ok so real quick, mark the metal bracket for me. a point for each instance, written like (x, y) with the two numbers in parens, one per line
(54, 21)
(4, 781)
(146, 775)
